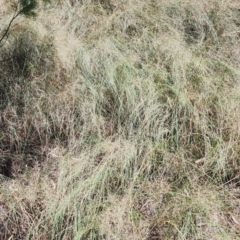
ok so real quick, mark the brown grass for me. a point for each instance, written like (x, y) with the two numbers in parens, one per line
(119, 120)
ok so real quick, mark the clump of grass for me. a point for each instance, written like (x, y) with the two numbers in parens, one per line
(28, 70)
(20, 56)
(132, 107)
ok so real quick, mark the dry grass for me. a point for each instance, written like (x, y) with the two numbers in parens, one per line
(119, 120)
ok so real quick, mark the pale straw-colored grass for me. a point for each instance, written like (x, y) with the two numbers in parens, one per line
(119, 120)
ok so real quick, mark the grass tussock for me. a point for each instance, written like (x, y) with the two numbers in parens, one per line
(119, 120)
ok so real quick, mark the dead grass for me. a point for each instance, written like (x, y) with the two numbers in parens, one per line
(119, 120)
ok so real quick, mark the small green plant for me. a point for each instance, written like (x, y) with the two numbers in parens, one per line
(23, 7)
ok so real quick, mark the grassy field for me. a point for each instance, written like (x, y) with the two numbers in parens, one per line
(120, 120)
